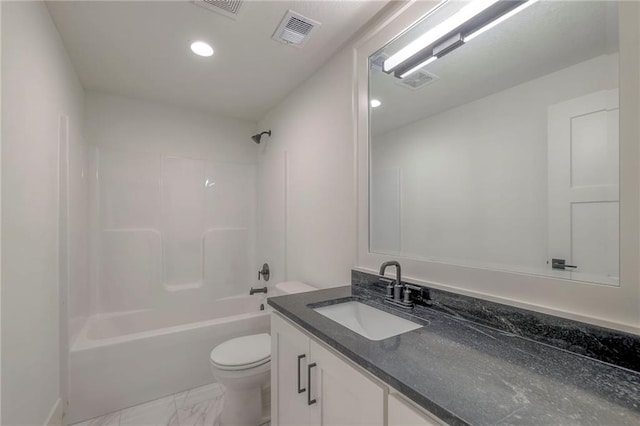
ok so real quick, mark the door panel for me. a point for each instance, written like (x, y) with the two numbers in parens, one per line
(401, 413)
(583, 186)
(288, 406)
(594, 155)
(595, 240)
(343, 395)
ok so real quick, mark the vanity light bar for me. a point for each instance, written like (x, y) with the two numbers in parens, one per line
(417, 67)
(502, 18)
(465, 14)
(456, 40)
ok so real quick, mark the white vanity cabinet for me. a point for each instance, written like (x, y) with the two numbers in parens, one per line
(312, 386)
(403, 413)
(289, 361)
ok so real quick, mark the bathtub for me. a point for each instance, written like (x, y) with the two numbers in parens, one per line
(124, 359)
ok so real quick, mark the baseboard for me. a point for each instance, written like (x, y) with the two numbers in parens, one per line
(55, 416)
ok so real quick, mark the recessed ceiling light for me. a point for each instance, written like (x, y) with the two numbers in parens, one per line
(201, 48)
(375, 103)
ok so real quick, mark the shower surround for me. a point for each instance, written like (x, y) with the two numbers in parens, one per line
(170, 230)
(171, 237)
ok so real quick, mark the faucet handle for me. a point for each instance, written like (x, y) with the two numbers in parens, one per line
(397, 292)
(407, 295)
(264, 272)
(390, 290)
(388, 285)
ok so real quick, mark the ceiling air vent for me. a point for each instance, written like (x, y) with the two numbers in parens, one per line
(417, 80)
(228, 8)
(295, 29)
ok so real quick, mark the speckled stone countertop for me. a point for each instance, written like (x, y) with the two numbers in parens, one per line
(470, 374)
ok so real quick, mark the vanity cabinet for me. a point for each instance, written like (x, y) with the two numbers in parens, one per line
(402, 413)
(310, 385)
(289, 361)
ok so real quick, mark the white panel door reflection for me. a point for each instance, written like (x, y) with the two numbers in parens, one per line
(584, 194)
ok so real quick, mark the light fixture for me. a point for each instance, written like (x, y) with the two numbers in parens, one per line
(417, 67)
(447, 26)
(375, 103)
(472, 20)
(502, 18)
(201, 48)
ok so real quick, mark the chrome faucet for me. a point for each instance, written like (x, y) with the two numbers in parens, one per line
(393, 290)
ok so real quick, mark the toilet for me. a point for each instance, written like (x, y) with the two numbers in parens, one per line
(243, 364)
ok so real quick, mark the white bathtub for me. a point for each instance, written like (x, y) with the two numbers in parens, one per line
(119, 360)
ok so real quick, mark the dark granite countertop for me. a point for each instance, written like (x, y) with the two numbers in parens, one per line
(466, 373)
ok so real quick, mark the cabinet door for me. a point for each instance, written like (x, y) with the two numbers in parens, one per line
(402, 413)
(343, 395)
(289, 359)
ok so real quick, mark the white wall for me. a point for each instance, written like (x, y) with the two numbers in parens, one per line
(131, 124)
(314, 127)
(39, 85)
(478, 195)
(1, 136)
(173, 205)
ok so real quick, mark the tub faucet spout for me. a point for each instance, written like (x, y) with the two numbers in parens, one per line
(258, 290)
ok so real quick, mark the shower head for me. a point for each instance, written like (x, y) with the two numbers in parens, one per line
(256, 138)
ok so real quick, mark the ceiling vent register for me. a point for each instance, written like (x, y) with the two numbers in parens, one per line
(295, 29)
(417, 80)
(228, 8)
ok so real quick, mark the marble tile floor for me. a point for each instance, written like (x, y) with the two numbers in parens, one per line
(196, 407)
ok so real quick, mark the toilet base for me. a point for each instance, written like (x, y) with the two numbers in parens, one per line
(242, 407)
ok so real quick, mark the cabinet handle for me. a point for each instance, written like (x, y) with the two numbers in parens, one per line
(309, 400)
(300, 390)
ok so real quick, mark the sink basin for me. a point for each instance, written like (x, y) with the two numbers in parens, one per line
(367, 321)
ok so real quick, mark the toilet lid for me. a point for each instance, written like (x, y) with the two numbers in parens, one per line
(242, 352)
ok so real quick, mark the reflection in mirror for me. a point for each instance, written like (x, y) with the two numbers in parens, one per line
(494, 139)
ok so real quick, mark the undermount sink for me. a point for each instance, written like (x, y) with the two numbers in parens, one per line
(366, 320)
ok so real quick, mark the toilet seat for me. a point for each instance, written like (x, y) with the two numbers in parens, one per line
(243, 366)
(242, 353)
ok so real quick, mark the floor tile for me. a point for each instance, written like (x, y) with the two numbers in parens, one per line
(161, 412)
(197, 395)
(112, 419)
(204, 413)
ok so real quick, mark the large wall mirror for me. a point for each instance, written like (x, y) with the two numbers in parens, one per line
(493, 139)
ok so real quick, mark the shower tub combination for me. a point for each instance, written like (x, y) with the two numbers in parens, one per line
(124, 359)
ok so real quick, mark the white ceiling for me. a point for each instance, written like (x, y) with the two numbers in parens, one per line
(548, 36)
(141, 49)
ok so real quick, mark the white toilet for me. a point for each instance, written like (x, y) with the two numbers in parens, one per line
(242, 365)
